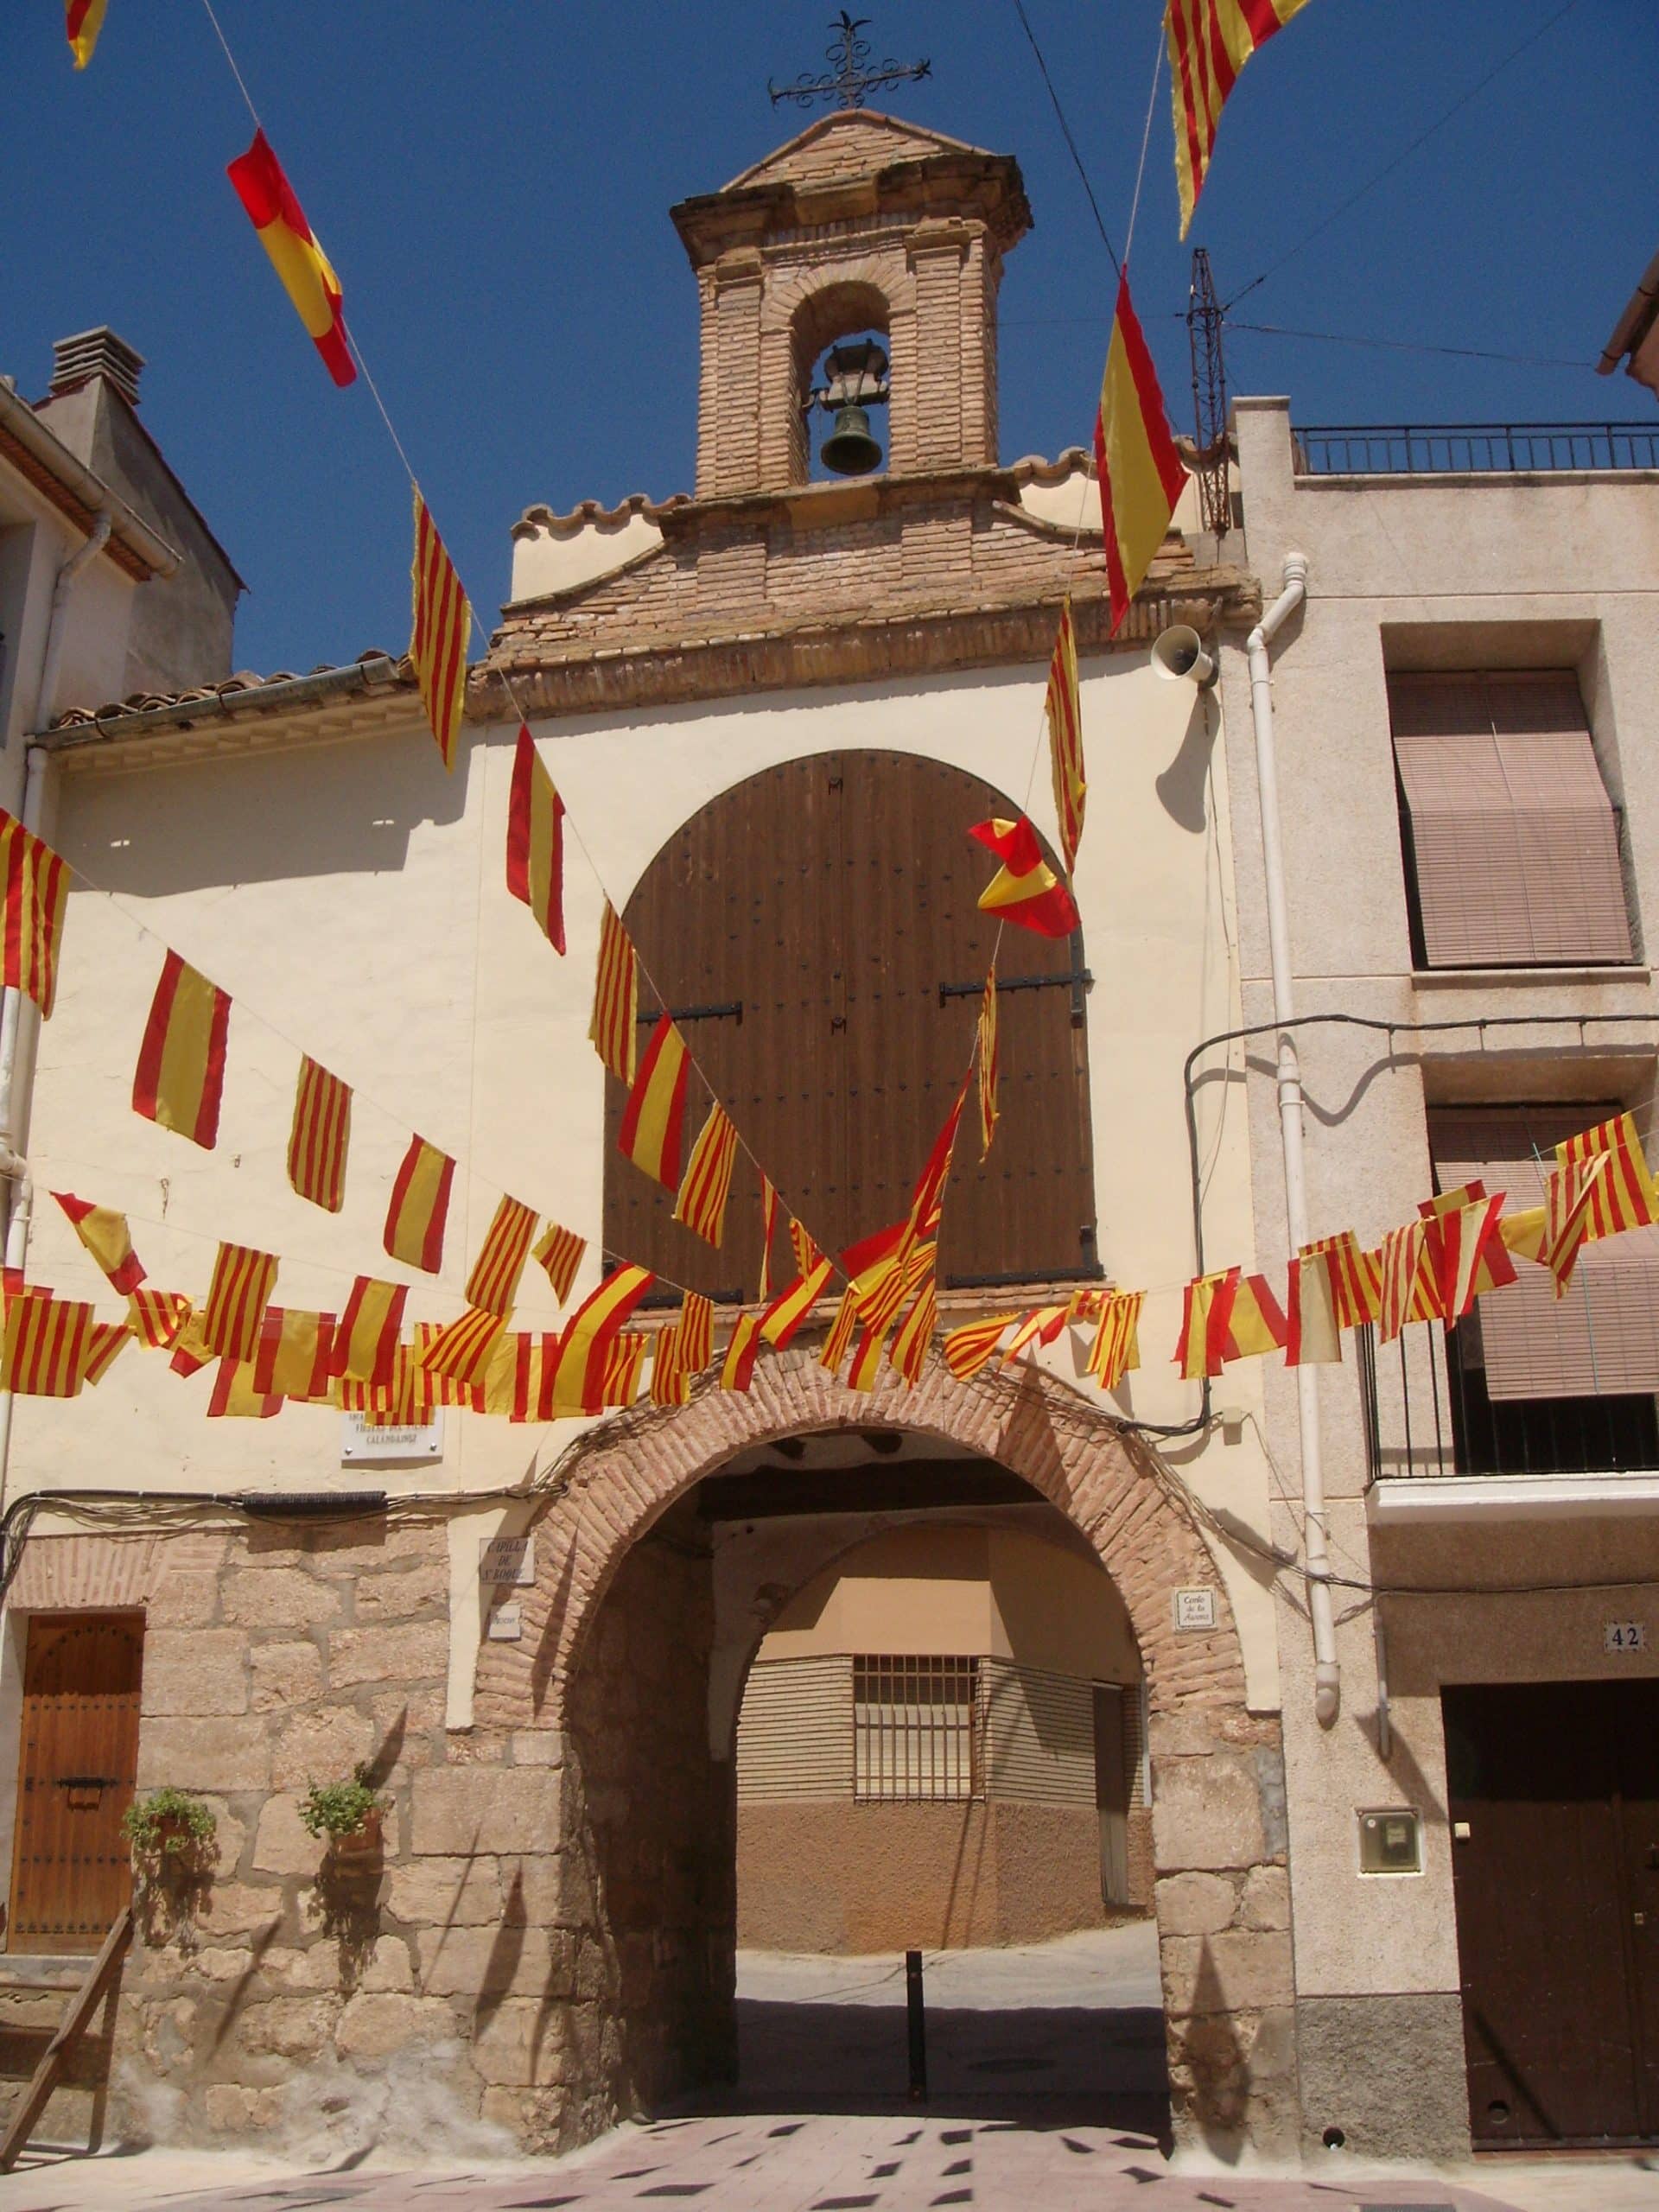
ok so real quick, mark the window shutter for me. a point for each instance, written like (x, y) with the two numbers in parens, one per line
(1602, 1339)
(1513, 836)
(831, 898)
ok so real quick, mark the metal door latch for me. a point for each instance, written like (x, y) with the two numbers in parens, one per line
(85, 1782)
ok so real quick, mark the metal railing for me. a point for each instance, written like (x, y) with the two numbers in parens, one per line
(1426, 1412)
(916, 1730)
(1471, 448)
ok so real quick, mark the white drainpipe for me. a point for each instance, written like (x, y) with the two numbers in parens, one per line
(14, 1167)
(1327, 1683)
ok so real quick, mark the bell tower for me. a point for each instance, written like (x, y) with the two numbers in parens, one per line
(860, 225)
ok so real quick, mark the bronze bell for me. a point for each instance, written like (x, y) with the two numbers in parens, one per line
(849, 450)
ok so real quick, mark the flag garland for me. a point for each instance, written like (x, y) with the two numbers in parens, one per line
(157, 1317)
(1116, 1349)
(707, 1185)
(1140, 471)
(83, 21)
(243, 1280)
(300, 263)
(295, 1358)
(791, 1307)
(441, 630)
(536, 840)
(972, 1347)
(179, 1078)
(1569, 1194)
(1062, 711)
(985, 1062)
(52, 1345)
(1210, 41)
(1025, 889)
(580, 1383)
(493, 1282)
(558, 1252)
(107, 1236)
(1624, 1197)
(367, 1342)
(462, 1350)
(742, 1348)
(320, 1133)
(653, 1119)
(616, 997)
(768, 1231)
(1227, 1315)
(36, 890)
(419, 1207)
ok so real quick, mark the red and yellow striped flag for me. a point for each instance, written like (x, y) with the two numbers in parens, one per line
(1116, 1349)
(462, 1350)
(180, 1074)
(1140, 471)
(707, 1184)
(1408, 1291)
(299, 260)
(742, 1348)
(296, 1357)
(1227, 1315)
(1356, 1277)
(419, 1207)
(190, 1354)
(616, 997)
(624, 1363)
(536, 840)
(1569, 1193)
(768, 1231)
(791, 1307)
(594, 1328)
(236, 1298)
(320, 1136)
(986, 1063)
(559, 1252)
(108, 1340)
(107, 1236)
(910, 1346)
(1464, 1245)
(493, 1282)
(866, 1370)
(670, 1378)
(36, 889)
(1210, 41)
(83, 20)
(1064, 712)
(237, 1394)
(1624, 1197)
(48, 1343)
(156, 1317)
(534, 1358)
(807, 1255)
(1039, 1327)
(838, 1342)
(971, 1347)
(424, 1335)
(366, 1342)
(1025, 889)
(441, 631)
(696, 1331)
(653, 1119)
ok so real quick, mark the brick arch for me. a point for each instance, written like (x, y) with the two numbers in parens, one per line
(794, 303)
(626, 1474)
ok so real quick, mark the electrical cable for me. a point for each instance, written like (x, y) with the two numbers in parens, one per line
(1071, 143)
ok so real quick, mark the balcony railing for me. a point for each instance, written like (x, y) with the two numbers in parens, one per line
(1472, 448)
(1426, 1412)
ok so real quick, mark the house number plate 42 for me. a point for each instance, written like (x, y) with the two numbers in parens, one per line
(1625, 1635)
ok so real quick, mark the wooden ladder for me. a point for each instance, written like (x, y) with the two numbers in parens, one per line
(70, 2029)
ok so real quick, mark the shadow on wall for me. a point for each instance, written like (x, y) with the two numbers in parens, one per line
(1180, 787)
(345, 809)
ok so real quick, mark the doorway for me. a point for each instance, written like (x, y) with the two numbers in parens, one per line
(1553, 1798)
(71, 1871)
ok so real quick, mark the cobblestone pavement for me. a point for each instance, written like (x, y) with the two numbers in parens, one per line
(819, 2163)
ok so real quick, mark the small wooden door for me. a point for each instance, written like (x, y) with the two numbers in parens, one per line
(1552, 1790)
(71, 1871)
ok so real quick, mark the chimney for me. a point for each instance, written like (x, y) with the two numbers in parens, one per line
(90, 353)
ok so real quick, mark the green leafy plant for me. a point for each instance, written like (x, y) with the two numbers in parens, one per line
(337, 1810)
(168, 1824)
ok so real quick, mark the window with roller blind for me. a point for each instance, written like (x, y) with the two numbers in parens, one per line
(1541, 1384)
(1511, 842)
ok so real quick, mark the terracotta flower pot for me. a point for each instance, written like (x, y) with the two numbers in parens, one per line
(363, 1841)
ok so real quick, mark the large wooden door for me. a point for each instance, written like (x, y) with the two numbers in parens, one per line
(71, 1871)
(1554, 1795)
(815, 932)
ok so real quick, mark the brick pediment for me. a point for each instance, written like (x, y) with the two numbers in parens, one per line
(855, 142)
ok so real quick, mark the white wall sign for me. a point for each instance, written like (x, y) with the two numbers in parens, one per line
(1195, 1609)
(507, 1624)
(1625, 1635)
(363, 1445)
(510, 1559)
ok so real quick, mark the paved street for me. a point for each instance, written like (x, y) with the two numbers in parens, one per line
(1046, 2083)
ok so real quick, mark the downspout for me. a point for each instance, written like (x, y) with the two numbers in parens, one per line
(1327, 1686)
(14, 1167)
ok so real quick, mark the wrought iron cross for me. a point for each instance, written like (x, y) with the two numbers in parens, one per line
(850, 76)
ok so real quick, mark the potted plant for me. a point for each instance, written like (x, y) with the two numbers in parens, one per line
(347, 1815)
(169, 1825)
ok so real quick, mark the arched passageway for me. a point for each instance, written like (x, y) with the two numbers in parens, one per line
(622, 1674)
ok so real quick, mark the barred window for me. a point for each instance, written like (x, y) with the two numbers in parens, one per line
(915, 1734)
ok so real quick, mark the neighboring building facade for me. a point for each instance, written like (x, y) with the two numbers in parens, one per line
(772, 709)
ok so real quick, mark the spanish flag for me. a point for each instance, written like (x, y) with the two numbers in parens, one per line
(34, 883)
(180, 1073)
(443, 628)
(1210, 41)
(768, 1231)
(707, 1185)
(295, 254)
(1227, 1315)
(236, 1298)
(83, 20)
(317, 1141)
(653, 1119)
(366, 1342)
(536, 840)
(493, 1282)
(1062, 710)
(584, 1356)
(1140, 471)
(107, 1236)
(420, 1206)
(791, 1307)
(237, 1394)
(743, 1347)
(295, 1354)
(1025, 889)
(1315, 1333)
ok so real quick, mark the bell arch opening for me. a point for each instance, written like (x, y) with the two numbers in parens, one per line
(832, 314)
(816, 932)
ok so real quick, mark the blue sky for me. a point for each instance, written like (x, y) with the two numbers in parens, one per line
(491, 180)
